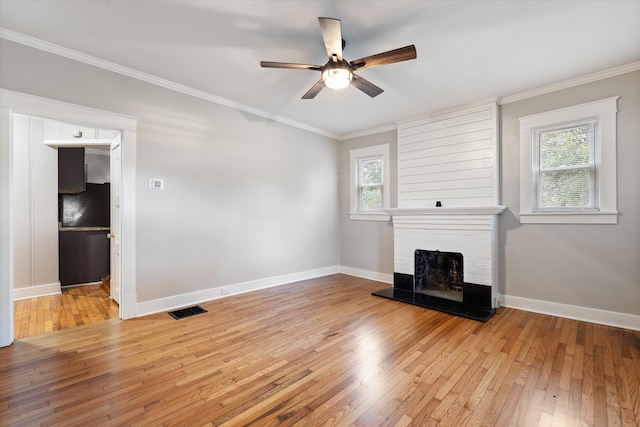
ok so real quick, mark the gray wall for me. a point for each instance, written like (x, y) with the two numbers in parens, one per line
(366, 245)
(596, 266)
(245, 198)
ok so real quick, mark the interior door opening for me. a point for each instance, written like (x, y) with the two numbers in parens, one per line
(87, 252)
(12, 103)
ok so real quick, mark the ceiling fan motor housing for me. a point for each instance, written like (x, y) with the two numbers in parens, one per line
(337, 75)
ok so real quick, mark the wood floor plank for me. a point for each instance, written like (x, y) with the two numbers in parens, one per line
(311, 353)
(76, 306)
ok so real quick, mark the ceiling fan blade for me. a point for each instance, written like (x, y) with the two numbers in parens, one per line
(397, 55)
(315, 89)
(366, 86)
(332, 36)
(270, 64)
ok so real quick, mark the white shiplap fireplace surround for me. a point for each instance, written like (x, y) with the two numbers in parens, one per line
(450, 160)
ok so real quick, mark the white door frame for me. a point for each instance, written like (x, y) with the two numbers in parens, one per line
(115, 151)
(15, 102)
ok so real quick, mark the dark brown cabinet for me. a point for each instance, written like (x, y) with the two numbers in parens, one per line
(71, 170)
(84, 256)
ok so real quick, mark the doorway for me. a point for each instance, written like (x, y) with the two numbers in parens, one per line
(62, 227)
(17, 103)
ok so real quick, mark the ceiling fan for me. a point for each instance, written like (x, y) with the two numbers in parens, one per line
(338, 73)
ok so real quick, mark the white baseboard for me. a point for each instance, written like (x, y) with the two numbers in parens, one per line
(36, 291)
(367, 274)
(177, 301)
(586, 314)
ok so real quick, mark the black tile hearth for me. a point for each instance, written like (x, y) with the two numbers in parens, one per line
(403, 281)
(476, 294)
(457, 308)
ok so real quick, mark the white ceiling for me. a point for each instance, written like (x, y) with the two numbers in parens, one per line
(467, 50)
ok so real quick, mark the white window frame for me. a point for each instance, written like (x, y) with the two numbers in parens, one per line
(604, 210)
(355, 155)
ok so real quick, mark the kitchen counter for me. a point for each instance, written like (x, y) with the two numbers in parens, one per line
(83, 229)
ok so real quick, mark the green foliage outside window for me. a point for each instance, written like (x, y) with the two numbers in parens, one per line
(565, 189)
(565, 147)
(370, 184)
(566, 167)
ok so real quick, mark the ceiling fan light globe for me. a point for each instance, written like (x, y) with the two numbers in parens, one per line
(337, 78)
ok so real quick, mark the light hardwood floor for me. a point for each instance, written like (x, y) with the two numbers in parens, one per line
(324, 352)
(76, 306)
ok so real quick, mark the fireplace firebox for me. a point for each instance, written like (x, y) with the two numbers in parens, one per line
(439, 274)
(438, 283)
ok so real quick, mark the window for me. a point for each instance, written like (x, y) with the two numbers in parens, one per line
(564, 165)
(369, 170)
(370, 184)
(568, 165)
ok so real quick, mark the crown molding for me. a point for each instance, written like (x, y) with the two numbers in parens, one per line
(589, 78)
(149, 78)
(167, 84)
(394, 127)
(367, 132)
(481, 104)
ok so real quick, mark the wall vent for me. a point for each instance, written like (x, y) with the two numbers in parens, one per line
(187, 312)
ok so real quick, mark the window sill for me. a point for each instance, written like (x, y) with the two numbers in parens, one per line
(569, 217)
(369, 216)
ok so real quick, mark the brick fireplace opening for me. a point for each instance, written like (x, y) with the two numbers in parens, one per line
(439, 274)
(461, 241)
(438, 284)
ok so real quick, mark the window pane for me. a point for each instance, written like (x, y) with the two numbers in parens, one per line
(565, 147)
(370, 171)
(569, 188)
(371, 198)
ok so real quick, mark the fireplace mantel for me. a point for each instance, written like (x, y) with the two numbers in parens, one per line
(458, 210)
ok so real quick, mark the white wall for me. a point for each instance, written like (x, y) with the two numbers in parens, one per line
(244, 198)
(451, 158)
(35, 178)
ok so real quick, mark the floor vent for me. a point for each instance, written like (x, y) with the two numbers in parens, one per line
(187, 312)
